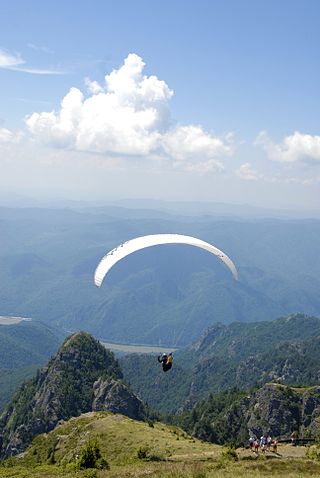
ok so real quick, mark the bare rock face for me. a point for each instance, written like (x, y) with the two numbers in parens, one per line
(82, 376)
(112, 395)
(274, 409)
(279, 410)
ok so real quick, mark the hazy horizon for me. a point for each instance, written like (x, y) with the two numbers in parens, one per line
(183, 207)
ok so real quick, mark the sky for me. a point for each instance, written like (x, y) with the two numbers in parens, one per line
(214, 100)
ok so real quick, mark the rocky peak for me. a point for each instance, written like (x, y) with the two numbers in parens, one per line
(209, 337)
(82, 376)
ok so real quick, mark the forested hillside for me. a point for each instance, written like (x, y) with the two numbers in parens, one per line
(24, 347)
(275, 410)
(239, 355)
(165, 295)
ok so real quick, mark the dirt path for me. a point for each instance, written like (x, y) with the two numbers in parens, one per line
(284, 451)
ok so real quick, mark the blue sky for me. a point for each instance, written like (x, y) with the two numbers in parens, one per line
(228, 110)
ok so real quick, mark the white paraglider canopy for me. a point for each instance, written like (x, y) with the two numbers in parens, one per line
(123, 250)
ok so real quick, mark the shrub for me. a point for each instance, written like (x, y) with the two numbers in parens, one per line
(143, 452)
(90, 456)
(313, 453)
(229, 454)
(90, 473)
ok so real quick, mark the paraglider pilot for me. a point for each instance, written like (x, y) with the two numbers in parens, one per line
(166, 361)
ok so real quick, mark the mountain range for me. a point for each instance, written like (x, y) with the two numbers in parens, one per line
(162, 296)
(78, 413)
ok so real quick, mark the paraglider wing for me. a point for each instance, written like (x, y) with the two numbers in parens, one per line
(123, 250)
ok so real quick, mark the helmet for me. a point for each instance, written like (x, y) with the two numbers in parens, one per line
(164, 355)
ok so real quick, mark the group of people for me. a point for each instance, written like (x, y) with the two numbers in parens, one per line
(266, 443)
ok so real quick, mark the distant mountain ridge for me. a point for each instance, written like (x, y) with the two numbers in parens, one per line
(167, 294)
(27, 343)
(24, 347)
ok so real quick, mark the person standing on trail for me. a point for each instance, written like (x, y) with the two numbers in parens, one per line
(263, 442)
(294, 438)
(269, 441)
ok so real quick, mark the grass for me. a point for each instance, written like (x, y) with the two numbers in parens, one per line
(119, 438)
(210, 469)
(137, 450)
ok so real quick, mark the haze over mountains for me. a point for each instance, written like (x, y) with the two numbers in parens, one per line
(24, 347)
(154, 206)
(165, 295)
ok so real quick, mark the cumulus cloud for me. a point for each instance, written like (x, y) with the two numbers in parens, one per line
(191, 142)
(10, 61)
(128, 115)
(294, 148)
(211, 165)
(7, 136)
(283, 176)
(247, 172)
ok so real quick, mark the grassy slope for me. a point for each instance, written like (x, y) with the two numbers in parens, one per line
(178, 454)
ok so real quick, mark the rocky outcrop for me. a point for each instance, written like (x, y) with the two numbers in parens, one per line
(82, 377)
(114, 396)
(274, 409)
(278, 410)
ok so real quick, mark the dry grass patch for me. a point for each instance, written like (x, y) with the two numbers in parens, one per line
(137, 450)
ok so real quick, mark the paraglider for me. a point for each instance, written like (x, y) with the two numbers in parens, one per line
(166, 361)
(133, 245)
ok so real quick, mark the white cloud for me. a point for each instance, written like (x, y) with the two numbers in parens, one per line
(282, 176)
(311, 181)
(40, 48)
(294, 148)
(191, 143)
(247, 172)
(93, 86)
(7, 136)
(127, 116)
(7, 60)
(209, 166)
(14, 62)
